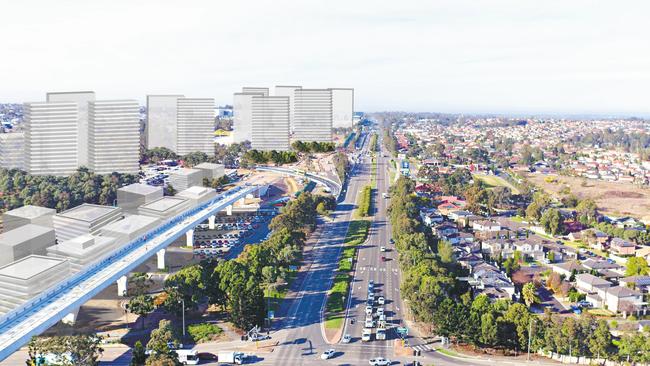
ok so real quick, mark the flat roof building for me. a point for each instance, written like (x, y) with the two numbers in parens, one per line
(27, 214)
(51, 138)
(197, 195)
(243, 116)
(255, 90)
(82, 98)
(195, 125)
(12, 150)
(270, 127)
(342, 107)
(165, 207)
(23, 241)
(160, 128)
(130, 197)
(84, 219)
(114, 136)
(83, 250)
(25, 278)
(288, 91)
(129, 228)
(185, 178)
(313, 115)
(211, 170)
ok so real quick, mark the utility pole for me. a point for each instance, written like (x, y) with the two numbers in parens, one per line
(530, 323)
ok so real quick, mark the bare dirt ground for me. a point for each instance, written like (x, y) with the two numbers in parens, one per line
(619, 199)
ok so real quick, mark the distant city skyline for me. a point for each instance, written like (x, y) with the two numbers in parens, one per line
(501, 57)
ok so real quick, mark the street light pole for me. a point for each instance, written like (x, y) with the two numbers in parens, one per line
(530, 323)
(182, 301)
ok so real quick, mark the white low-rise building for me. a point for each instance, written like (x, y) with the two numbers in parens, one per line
(84, 219)
(130, 197)
(165, 207)
(183, 179)
(23, 241)
(83, 250)
(25, 278)
(27, 214)
(130, 228)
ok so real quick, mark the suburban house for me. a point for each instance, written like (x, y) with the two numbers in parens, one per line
(600, 264)
(489, 280)
(486, 229)
(640, 283)
(532, 251)
(431, 217)
(444, 229)
(566, 268)
(643, 252)
(496, 248)
(623, 299)
(588, 283)
(622, 247)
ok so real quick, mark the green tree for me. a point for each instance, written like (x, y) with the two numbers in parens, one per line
(552, 221)
(601, 340)
(489, 329)
(636, 266)
(140, 305)
(162, 337)
(139, 357)
(529, 294)
(587, 211)
(445, 251)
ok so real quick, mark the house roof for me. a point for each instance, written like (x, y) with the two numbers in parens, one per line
(592, 280)
(621, 291)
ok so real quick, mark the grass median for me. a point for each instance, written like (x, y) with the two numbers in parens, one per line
(335, 306)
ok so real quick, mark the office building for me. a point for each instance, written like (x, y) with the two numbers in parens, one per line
(313, 115)
(12, 150)
(130, 197)
(197, 195)
(84, 219)
(243, 116)
(27, 214)
(129, 228)
(183, 179)
(342, 107)
(51, 135)
(195, 125)
(114, 136)
(255, 90)
(288, 91)
(270, 123)
(82, 98)
(24, 279)
(160, 128)
(83, 250)
(165, 207)
(23, 241)
(211, 171)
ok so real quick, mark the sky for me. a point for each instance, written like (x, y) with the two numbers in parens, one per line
(457, 56)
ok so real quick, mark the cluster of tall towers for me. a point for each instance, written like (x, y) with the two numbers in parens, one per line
(72, 129)
(270, 122)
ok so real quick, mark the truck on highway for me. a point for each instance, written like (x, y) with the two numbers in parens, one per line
(188, 356)
(231, 357)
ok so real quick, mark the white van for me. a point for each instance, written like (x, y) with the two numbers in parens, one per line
(188, 356)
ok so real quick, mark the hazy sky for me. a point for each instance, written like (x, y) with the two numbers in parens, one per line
(447, 56)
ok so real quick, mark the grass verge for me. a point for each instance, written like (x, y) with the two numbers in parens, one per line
(335, 306)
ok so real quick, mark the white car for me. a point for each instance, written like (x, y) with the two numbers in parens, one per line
(368, 310)
(365, 336)
(380, 311)
(382, 249)
(346, 338)
(379, 361)
(327, 354)
(381, 300)
(369, 324)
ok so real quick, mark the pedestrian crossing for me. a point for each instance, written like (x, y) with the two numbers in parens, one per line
(422, 348)
(372, 269)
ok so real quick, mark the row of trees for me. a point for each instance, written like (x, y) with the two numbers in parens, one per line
(389, 141)
(313, 146)
(264, 157)
(74, 350)
(373, 142)
(227, 155)
(365, 201)
(238, 285)
(341, 164)
(18, 188)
